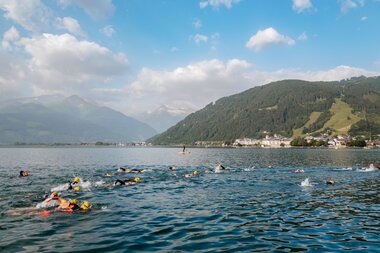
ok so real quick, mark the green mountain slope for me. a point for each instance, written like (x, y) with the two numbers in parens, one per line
(289, 108)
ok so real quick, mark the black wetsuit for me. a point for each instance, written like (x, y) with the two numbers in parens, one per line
(124, 182)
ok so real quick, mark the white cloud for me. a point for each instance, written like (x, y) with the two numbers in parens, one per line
(12, 75)
(217, 3)
(266, 37)
(194, 84)
(301, 5)
(9, 37)
(32, 15)
(200, 83)
(70, 24)
(61, 63)
(197, 24)
(303, 36)
(96, 9)
(199, 38)
(364, 18)
(346, 5)
(108, 31)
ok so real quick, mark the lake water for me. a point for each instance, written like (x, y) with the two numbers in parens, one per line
(258, 204)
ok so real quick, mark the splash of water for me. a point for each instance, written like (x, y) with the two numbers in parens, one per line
(306, 183)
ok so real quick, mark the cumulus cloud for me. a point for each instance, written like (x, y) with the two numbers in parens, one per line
(70, 24)
(217, 3)
(9, 37)
(302, 5)
(108, 31)
(32, 15)
(96, 9)
(199, 38)
(12, 75)
(346, 5)
(266, 37)
(194, 84)
(61, 63)
(200, 83)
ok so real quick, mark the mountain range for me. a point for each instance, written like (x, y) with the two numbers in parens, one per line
(163, 117)
(290, 108)
(56, 119)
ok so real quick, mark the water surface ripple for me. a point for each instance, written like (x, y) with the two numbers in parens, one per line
(257, 205)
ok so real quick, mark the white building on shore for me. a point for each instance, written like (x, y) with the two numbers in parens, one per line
(276, 141)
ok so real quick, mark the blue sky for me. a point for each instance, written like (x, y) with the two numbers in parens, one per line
(139, 54)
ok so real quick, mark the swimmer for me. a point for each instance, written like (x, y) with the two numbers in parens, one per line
(172, 168)
(129, 181)
(24, 173)
(73, 205)
(194, 174)
(219, 168)
(299, 171)
(54, 198)
(124, 170)
(375, 166)
(71, 185)
(330, 182)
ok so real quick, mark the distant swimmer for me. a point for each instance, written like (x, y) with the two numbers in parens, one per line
(374, 166)
(330, 182)
(129, 181)
(172, 168)
(299, 171)
(124, 170)
(194, 174)
(219, 168)
(24, 173)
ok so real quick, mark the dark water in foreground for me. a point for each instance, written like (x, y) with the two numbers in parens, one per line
(258, 205)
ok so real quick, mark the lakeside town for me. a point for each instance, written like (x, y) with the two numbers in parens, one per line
(278, 141)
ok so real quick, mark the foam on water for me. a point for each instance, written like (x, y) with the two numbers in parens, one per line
(344, 169)
(306, 183)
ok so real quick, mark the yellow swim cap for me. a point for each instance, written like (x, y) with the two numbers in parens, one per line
(55, 194)
(137, 180)
(108, 175)
(195, 173)
(76, 180)
(77, 188)
(74, 201)
(86, 205)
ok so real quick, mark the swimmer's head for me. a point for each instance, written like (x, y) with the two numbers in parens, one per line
(85, 205)
(137, 180)
(172, 168)
(77, 188)
(195, 173)
(76, 180)
(108, 175)
(54, 195)
(74, 201)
